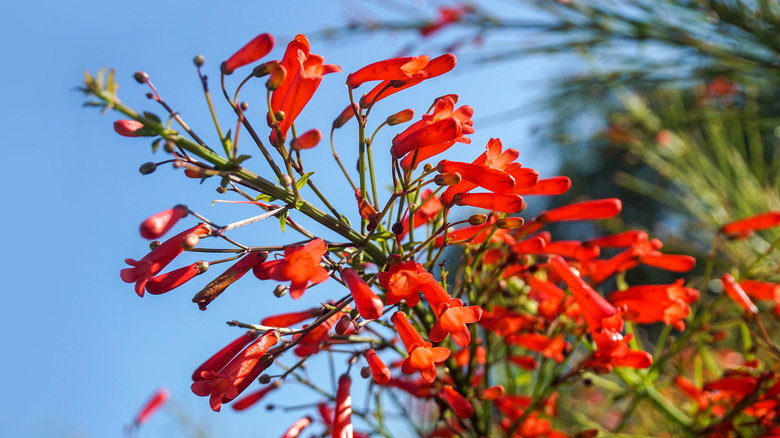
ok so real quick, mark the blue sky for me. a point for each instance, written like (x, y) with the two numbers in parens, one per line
(82, 351)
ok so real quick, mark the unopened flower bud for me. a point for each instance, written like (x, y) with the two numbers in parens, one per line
(141, 77)
(147, 168)
(154, 244)
(149, 95)
(190, 241)
(365, 372)
(477, 219)
(128, 128)
(447, 179)
(510, 223)
(307, 140)
(280, 291)
(345, 116)
(270, 407)
(394, 260)
(398, 228)
(169, 147)
(354, 313)
(265, 69)
(428, 167)
(279, 116)
(276, 77)
(244, 106)
(286, 180)
(199, 60)
(343, 325)
(454, 98)
(400, 117)
(265, 378)
(220, 189)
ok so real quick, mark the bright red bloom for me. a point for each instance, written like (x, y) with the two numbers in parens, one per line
(550, 347)
(395, 69)
(366, 210)
(476, 234)
(404, 281)
(288, 319)
(668, 262)
(735, 292)
(160, 223)
(434, 133)
(435, 67)
(154, 262)
(312, 341)
(653, 303)
(495, 180)
(555, 185)
(505, 322)
(342, 420)
(230, 276)
(295, 430)
(587, 210)
(301, 265)
(422, 355)
(151, 406)
(128, 128)
(506, 203)
(366, 300)
(171, 280)
(304, 74)
(572, 249)
(447, 16)
(492, 393)
(223, 356)
(746, 227)
(379, 370)
(225, 382)
(619, 240)
(307, 140)
(251, 399)
(459, 404)
(251, 52)
(452, 316)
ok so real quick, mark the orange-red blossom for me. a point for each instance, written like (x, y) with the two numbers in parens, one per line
(301, 266)
(423, 356)
(368, 304)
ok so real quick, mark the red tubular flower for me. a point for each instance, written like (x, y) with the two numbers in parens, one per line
(619, 240)
(252, 398)
(307, 140)
(254, 50)
(366, 210)
(526, 362)
(225, 382)
(459, 404)
(587, 210)
(442, 131)
(422, 355)
(761, 290)
(505, 203)
(435, 67)
(171, 280)
(295, 430)
(366, 300)
(553, 348)
(735, 292)
(668, 262)
(288, 319)
(492, 393)
(379, 370)
(505, 322)
(301, 265)
(452, 316)
(555, 185)
(230, 276)
(154, 262)
(151, 406)
(572, 249)
(160, 223)
(653, 303)
(746, 227)
(398, 69)
(128, 128)
(311, 342)
(404, 281)
(304, 74)
(595, 308)
(447, 16)
(342, 421)
(223, 356)
(495, 180)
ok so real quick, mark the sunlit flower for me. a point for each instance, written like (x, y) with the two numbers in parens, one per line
(251, 52)
(459, 404)
(366, 300)
(301, 266)
(404, 281)
(157, 225)
(423, 356)
(151, 406)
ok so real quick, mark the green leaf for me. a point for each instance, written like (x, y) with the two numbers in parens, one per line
(156, 145)
(302, 181)
(152, 116)
(241, 158)
(283, 219)
(263, 197)
(225, 181)
(381, 236)
(345, 220)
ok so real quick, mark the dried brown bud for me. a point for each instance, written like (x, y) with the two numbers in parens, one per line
(447, 179)
(345, 116)
(244, 106)
(365, 372)
(276, 77)
(169, 147)
(400, 117)
(510, 223)
(147, 168)
(265, 69)
(343, 325)
(280, 291)
(398, 228)
(265, 378)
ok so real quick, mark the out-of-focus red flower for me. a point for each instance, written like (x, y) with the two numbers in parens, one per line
(735, 292)
(434, 67)
(251, 52)
(505, 322)
(434, 133)
(619, 240)
(491, 393)
(295, 430)
(423, 356)
(527, 362)
(447, 16)
(668, 262)
(379, 370)
(171, 280)
(151, 406)
(553, 348)
(311, 342)
(252, 398)
(225, 382)
(301, 266)
(459, 404)
(151, 264)
(404, 281)
(366, 300)
(128, 128)
(646, 304)
(555, 185)
(342, 421)
(763, 291)
(158, 224)
(587, 210)
(304, 74)
(746, 227)
(572, 249)
(215, 288)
